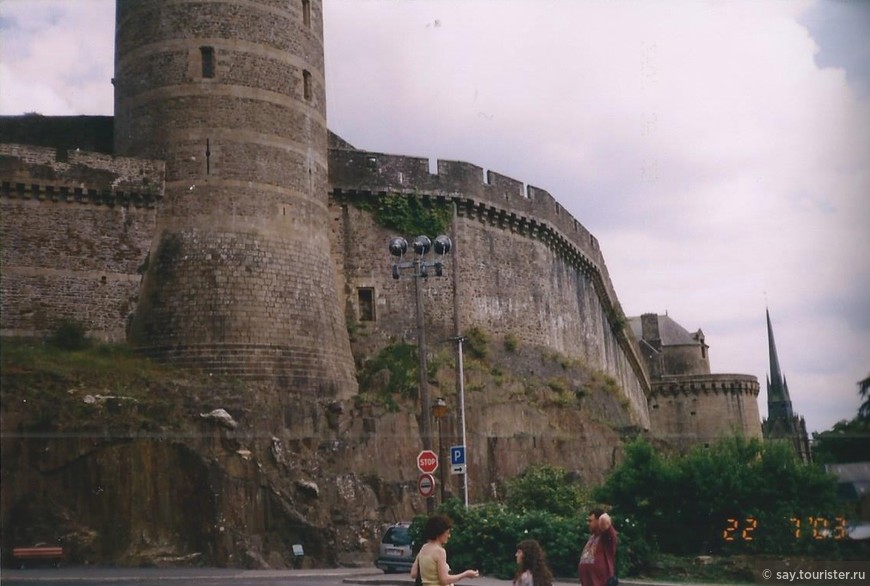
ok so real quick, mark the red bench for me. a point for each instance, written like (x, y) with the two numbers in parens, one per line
(38, 552)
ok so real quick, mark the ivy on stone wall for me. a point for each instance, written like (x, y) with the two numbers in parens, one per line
(407, 215)
(617, 319)
(476, 343)
(395, 369)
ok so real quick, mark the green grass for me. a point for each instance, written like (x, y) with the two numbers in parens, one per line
(112, 364)
(50, 389)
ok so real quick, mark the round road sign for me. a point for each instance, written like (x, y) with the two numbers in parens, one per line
(426, 485)
(427, 461)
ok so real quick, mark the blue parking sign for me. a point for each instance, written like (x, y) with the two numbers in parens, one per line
(457, 455)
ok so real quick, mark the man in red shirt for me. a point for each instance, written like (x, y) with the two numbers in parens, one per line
(598, 560)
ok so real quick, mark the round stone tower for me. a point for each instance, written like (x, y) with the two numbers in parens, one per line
(239, 279)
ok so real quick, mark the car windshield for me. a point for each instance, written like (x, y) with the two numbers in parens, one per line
(398, 536)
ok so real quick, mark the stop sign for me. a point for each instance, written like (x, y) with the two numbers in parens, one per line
(427, 461)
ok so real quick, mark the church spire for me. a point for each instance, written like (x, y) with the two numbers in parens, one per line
(781, 422)
(777, 389)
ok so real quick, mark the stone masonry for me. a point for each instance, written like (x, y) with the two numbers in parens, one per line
(240, 280)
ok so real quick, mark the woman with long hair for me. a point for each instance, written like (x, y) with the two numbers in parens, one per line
(532, 568)
(431, 563)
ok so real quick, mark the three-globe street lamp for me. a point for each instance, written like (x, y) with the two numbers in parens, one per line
(419, 268)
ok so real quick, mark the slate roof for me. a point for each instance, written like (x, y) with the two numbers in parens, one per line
(671, 333)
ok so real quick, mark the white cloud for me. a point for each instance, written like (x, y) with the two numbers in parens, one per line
(56, 56)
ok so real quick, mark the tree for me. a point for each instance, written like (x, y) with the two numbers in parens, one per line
(864, 391)
(738, 494)
(847, 441)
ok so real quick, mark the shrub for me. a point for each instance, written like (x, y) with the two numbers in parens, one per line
(546, 488)
(476, 343)
(738, 495)
(70, 335)
(485, 537)
(402, 363)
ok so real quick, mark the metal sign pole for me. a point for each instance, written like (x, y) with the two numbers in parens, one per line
(462, 422)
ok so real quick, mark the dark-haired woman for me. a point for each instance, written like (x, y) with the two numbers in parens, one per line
(431, 562)
(532, 568)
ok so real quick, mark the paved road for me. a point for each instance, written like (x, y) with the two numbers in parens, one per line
(217, 576)
(82, 576)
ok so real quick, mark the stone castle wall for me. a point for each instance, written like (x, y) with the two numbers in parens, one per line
(75, 229)
(690, 410)
(525, 267)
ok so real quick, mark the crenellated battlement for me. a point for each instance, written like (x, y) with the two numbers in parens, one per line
(697, 409)
(73, 176)
(491, 198)
(733, 384)
(491, 193)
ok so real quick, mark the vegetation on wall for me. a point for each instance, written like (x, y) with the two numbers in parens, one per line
(617, 319)
(476, 343)
(408, 215)
(71, 383)
(392, 371)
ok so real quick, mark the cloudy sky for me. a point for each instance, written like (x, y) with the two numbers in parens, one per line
(718, 149)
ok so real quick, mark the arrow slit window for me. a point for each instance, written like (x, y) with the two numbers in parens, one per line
(207, 56)
(306, 84)
(306, 13)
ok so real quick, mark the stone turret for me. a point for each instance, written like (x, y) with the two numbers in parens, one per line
(239, 279)
(689, 405)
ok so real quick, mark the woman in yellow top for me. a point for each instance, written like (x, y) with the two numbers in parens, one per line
(431, 562)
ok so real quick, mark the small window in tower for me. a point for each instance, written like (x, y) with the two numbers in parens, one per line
(366, 296)
(207, 55)
(306, 13)
(306, 84)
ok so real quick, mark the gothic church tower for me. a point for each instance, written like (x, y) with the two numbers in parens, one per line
(781, 422)
(239, 279)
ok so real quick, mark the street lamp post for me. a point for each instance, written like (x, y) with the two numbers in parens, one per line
(419, 269)
(439, 412)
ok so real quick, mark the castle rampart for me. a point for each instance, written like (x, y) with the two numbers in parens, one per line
(501, 233)
(688, 410)
(76, 228)
(364, 171)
